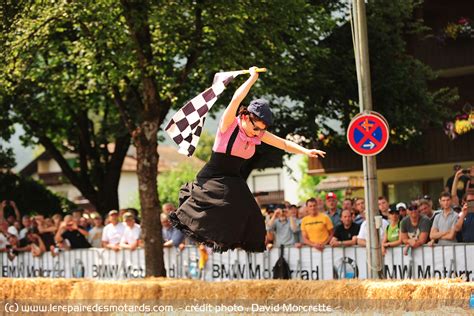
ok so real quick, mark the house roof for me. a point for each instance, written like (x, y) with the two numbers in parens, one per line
(32, 167)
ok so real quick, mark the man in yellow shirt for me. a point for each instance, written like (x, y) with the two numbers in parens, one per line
(317, 227)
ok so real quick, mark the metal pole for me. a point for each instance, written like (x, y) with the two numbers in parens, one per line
(361, 49)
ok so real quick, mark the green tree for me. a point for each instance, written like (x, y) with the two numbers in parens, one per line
(308, 183)
(73, 67)
(204, 150)
(53, 86)
(7, 159)
(31, 196)
(79, 75)
(171, 182)
(327, 89)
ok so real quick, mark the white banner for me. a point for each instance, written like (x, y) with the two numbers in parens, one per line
(305, 263)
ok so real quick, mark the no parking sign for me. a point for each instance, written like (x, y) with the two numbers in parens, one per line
(368, 133)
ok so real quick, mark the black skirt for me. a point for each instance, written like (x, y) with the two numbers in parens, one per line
(218, 209)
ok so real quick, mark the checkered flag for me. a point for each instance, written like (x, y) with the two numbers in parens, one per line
(186, 125)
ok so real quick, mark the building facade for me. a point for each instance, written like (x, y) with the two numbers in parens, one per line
(405, 174)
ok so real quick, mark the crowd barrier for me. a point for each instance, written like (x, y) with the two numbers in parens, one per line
(447, 261)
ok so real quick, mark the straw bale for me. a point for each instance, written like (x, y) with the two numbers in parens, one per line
(443, 289)
(35, 288)
(390, 289)
(110, 289)
(170, 288)
(278, 289)
(350, 295)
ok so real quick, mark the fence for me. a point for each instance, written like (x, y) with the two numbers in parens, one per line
(447, 261)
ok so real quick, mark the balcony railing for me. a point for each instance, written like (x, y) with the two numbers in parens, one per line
(451, 54)
(53, 178)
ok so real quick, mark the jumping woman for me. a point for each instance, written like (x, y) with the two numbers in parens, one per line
(218, 209)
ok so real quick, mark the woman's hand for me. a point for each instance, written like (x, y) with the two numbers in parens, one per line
(239, 95)
(253, 72)
(314, 153)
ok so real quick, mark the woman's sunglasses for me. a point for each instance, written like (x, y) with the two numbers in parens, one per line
(255, 127)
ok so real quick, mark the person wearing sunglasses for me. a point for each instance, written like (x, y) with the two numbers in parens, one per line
(414, 229)
(218, 209)
(465, 223)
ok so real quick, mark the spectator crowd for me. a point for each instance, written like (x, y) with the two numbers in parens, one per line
(81, 228)
(319, 223)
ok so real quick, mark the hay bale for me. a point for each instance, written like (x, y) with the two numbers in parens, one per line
(35, 288)
(349, 295)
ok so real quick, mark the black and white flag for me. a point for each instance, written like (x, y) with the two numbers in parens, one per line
(186, 125)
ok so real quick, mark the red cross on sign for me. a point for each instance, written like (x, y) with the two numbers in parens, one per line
(368, 133)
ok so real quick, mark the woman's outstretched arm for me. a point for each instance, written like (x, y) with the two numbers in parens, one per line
(239, 95)
(290, 146)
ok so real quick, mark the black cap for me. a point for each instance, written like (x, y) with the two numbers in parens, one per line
(261, 109)
(393, 210)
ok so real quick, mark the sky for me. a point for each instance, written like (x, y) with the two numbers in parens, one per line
(23, 155)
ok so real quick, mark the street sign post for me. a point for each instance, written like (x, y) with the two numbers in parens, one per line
(363, 135)
(367, 135)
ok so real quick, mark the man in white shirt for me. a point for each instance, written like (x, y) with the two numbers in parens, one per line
(364, 232)
(131, 235)
(113, 232)
(12, 230)
(27, 224)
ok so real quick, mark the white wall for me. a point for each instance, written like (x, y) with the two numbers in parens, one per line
(269, 179)
(127, 189)
(293, 176)
(66, 190)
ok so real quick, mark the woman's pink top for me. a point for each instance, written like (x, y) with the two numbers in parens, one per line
(243, 146)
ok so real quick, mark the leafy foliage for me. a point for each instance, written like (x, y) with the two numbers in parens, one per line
(327, 89)
(79, 75)
(56, 86)
(31, 196)
(204, 150)
(7, 159)
(171, 182)
(307, 184)
(73, 74)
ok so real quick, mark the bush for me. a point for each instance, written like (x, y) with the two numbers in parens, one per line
(170, 182)
(31, 196)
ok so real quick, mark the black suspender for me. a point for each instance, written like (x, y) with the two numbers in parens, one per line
(232, 140)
